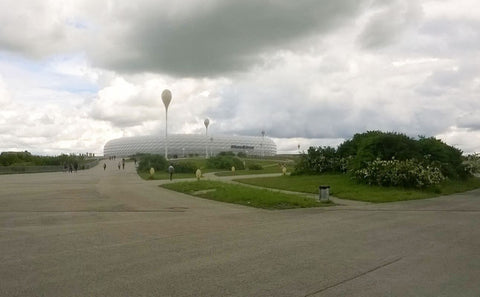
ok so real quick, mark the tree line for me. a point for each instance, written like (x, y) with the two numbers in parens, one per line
(27, 159)
(388, 159)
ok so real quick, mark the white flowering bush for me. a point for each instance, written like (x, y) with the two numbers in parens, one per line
(407, 173)
(472, 164)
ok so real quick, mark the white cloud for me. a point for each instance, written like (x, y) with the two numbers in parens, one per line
(5, 97)
(76, 73)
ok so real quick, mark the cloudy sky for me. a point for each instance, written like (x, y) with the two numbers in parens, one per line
(77, 73)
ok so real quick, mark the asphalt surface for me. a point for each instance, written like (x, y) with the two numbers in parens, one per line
(109, 233)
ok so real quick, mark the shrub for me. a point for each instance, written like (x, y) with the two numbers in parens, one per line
(225, 162)
(447, 158)
(147, 161)
(231, 154)
(320, 160)
(185, 167)
(406, 173)
(372, 145)
(242, 154)
(472, 163)
(255, 167)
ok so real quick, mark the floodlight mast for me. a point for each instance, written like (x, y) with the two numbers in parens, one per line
(206, 123)
(166, 98)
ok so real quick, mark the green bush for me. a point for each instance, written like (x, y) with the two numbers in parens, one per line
(364, 149)
(184, 167)
(320, 160)
(242, 154)
(372, 145)
(147, 161)
(231, 154)
(448, 158)
(472, 163)
(406, 173)
(27, 159)
(225, 162)
(255, 167)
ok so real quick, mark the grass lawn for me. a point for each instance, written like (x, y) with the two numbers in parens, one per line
(269, 166)
(239, 194)
(165, 175)
(159, 175)
(342, 186)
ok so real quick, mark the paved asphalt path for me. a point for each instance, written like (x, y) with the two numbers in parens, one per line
(109, 233)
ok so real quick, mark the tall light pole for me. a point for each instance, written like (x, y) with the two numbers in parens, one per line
(166, 98)
(206, 122)
(211, 146)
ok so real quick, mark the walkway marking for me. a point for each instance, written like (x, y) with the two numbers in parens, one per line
(354, 277)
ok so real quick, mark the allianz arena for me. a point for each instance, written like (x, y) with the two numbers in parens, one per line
(182, 145)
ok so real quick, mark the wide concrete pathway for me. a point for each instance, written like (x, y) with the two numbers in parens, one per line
(109, 233)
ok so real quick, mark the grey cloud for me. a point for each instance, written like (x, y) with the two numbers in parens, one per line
(447, 36)
(35, 29)
(122, 117)
(322, 118)
(228, 37)
(389, 23)
(450, 80)
(470, 121)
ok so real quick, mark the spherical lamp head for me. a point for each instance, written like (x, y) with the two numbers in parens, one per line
(166, 97)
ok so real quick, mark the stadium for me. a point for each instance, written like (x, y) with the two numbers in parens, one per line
(184, 145)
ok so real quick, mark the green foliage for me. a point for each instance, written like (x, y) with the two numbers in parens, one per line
(372, 145)
(342, 186)
(243, 195)
(231, 154)
(27, 159)
(255, 166)
(184, 166)
(396, 173)
(242, 154)
(225, 162)
(320, 160)
(447, 158)
(361, 155)
(472, 163)
(147, 161)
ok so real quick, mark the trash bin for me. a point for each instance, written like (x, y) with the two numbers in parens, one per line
(324, 193)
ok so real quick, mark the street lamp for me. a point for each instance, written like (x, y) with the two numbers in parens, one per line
(206, 122)
(211, 147)
(166, 98)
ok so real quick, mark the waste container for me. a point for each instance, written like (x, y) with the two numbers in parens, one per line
(324, 194)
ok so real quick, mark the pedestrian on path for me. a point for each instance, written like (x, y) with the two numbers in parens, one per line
(171, 170)
(123, 163)
(104, 166)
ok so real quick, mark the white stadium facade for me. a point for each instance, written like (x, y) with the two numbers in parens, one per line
(183, 145)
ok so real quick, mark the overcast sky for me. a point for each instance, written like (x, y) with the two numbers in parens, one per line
(77, 73)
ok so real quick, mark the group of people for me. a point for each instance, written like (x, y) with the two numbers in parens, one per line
(70, 167)
(121, 164)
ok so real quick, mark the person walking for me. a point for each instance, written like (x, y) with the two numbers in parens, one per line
(104, 166)
(123, 163)
(171, 170)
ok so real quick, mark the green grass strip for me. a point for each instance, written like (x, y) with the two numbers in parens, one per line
(243, 195)
(342, 186)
